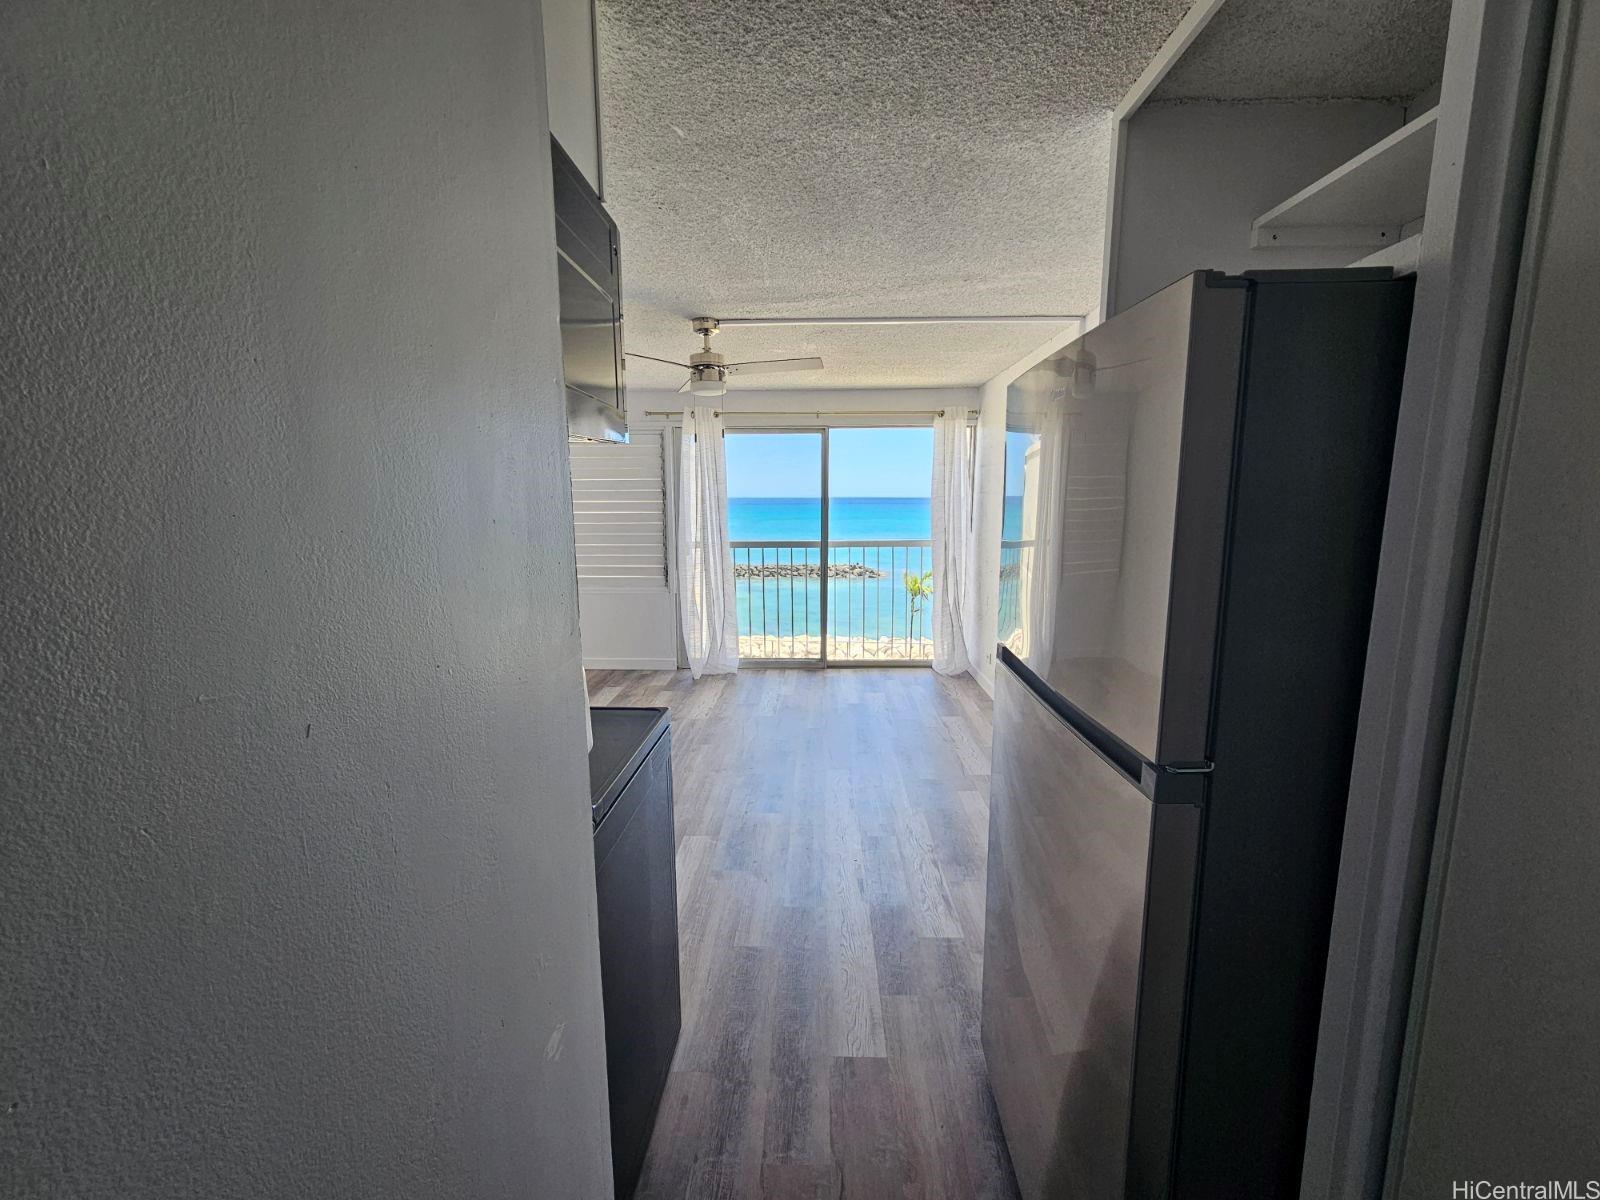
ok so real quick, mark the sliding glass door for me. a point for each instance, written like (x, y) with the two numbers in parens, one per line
(775, 511)
(880, 552)
(854, 501)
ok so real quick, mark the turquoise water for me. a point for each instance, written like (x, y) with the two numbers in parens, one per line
(871, 517)
(866, 606)
(870, 606)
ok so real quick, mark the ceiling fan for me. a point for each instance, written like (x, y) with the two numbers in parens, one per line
(709, 371)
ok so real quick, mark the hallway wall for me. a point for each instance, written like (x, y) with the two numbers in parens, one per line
(1499, 1080)
(296, 891)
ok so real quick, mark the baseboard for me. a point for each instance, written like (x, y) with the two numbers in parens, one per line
(984, 680)
(630, 664)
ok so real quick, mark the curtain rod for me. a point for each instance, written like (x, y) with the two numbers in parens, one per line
(773, 412)
(985, 319)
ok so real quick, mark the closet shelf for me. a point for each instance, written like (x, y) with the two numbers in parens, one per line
(1366, 202)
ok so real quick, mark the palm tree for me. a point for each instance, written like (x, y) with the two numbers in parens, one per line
(919, 588)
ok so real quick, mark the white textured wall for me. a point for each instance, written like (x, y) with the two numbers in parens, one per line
(296, 895)
(989, 501)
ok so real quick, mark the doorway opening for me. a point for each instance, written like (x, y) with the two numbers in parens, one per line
(831, 531)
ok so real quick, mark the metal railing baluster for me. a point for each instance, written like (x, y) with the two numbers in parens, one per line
(863, 630)
(876, 626)
(900, 575)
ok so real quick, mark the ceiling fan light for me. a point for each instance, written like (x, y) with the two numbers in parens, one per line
(707, 387)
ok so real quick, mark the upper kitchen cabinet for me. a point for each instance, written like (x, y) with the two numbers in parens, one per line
(589, 271)
(571, 70)
(588, 245)
(1275, 134)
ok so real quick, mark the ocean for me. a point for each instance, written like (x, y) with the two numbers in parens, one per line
(870, 517)
(778, 588)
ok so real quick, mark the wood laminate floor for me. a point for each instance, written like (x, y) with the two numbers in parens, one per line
(831, 840)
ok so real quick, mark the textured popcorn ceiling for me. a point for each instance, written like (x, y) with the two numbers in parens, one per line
(1313, 50)
(775, 158)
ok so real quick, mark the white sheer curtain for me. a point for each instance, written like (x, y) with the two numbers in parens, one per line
(952, 542)
(705, 560)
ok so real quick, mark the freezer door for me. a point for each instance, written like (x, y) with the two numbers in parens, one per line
(1069, 847)
(1118, 453)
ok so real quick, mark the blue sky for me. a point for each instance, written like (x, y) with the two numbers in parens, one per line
(1016, 447)
(865, 462)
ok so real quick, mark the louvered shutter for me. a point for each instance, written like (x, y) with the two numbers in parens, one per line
(618, 504)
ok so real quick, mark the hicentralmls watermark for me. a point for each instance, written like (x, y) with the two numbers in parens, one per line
(1555, 1189)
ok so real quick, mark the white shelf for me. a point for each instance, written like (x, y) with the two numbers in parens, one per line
(1404, 256)
(1365, 202)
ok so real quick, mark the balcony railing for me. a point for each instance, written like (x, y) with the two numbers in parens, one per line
(879, 601)
(1015, 558)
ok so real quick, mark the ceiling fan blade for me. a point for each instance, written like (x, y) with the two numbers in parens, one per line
(775, 364)
(652, 358)
(684, 386)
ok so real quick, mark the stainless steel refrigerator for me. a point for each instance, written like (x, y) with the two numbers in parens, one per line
(1194, 499)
